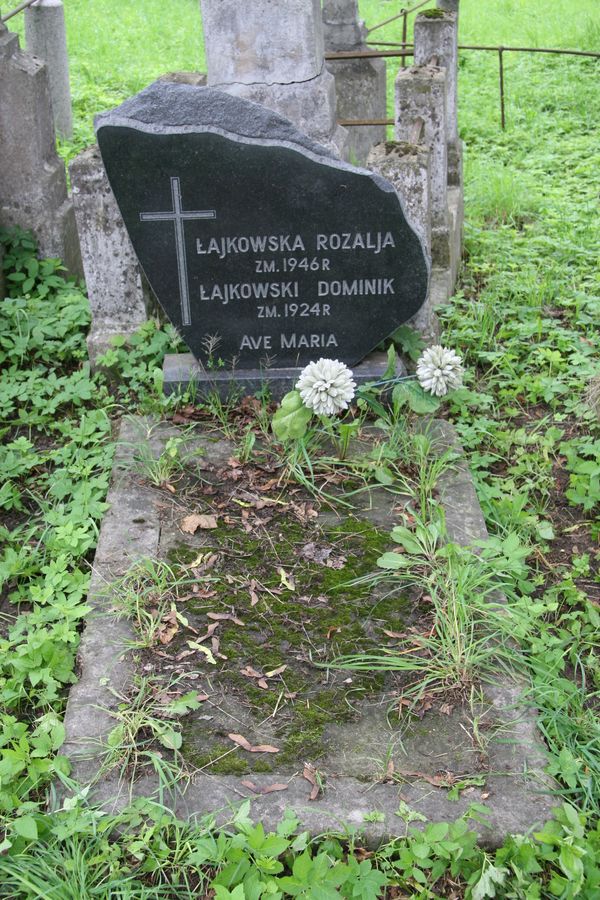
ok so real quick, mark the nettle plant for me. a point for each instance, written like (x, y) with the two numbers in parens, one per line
(326, 388)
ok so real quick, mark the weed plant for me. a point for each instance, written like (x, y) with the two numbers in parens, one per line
(470, 637)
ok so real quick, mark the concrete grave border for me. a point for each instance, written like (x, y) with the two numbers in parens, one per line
(519, 796)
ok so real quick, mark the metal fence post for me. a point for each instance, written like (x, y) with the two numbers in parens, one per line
(501, 77)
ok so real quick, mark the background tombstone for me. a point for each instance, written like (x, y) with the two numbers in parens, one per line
(33, 186)
(436, 36)
(46, 37)
(272, 53)
(360, 84)
(449, 5)
(406, 166)
(120, 298)
(421, 94)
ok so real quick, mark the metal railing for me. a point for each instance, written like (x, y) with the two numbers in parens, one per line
(403, 14)
(408, 50)
(16, 10)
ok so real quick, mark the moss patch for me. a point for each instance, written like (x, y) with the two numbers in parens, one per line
(278, 590)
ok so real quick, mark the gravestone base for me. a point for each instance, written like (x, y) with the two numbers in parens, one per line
(182, 372)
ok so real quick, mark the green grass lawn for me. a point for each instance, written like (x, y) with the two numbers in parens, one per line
(525, 317)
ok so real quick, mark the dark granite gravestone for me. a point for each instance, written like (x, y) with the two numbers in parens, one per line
(262, 247)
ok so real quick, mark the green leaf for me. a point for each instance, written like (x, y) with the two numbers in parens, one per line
(383, 475)
(26, 827)
(489, 879)
(290, 422)
(570, 863)
(412, 394)
(169, 738)
(437, 831)
(404, 536)
(391, 362)
(393, 561)
(545, 530)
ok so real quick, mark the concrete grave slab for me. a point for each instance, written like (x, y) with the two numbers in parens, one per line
(143, 523)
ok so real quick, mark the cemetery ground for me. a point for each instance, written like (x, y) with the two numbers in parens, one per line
(525, 318)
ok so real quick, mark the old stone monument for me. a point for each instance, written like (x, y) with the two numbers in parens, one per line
(265, 250)
(272, 53)
(360, 84)
(33, 185)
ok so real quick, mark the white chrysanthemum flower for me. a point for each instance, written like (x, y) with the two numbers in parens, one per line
(439, 370)
(326, 386)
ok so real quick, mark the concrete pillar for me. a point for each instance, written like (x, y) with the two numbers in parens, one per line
(46, 37)
(272, 53)
(343, 28)
(436, 35)
(406, 166)
(119, 295)
(421, 94)
(360, 84)
(449, 5)
(33, 186)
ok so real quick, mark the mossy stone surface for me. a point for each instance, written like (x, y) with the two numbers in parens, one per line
(289, 568)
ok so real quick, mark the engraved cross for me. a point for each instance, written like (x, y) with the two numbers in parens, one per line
(178, 216)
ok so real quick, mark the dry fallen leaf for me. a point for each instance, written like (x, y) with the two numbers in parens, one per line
(313, 553)
(168, 627)
(194, 645)
(394, 634)
(209, 633)
(192, 523)
(241, 741)
(200, 560)
(253, 593)
(268, 485)
(249, 672)
(287, 581)
(333, 629)
(310, 775)
(224, 617)
(264, 790)
(445, 779)
(275, 672)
